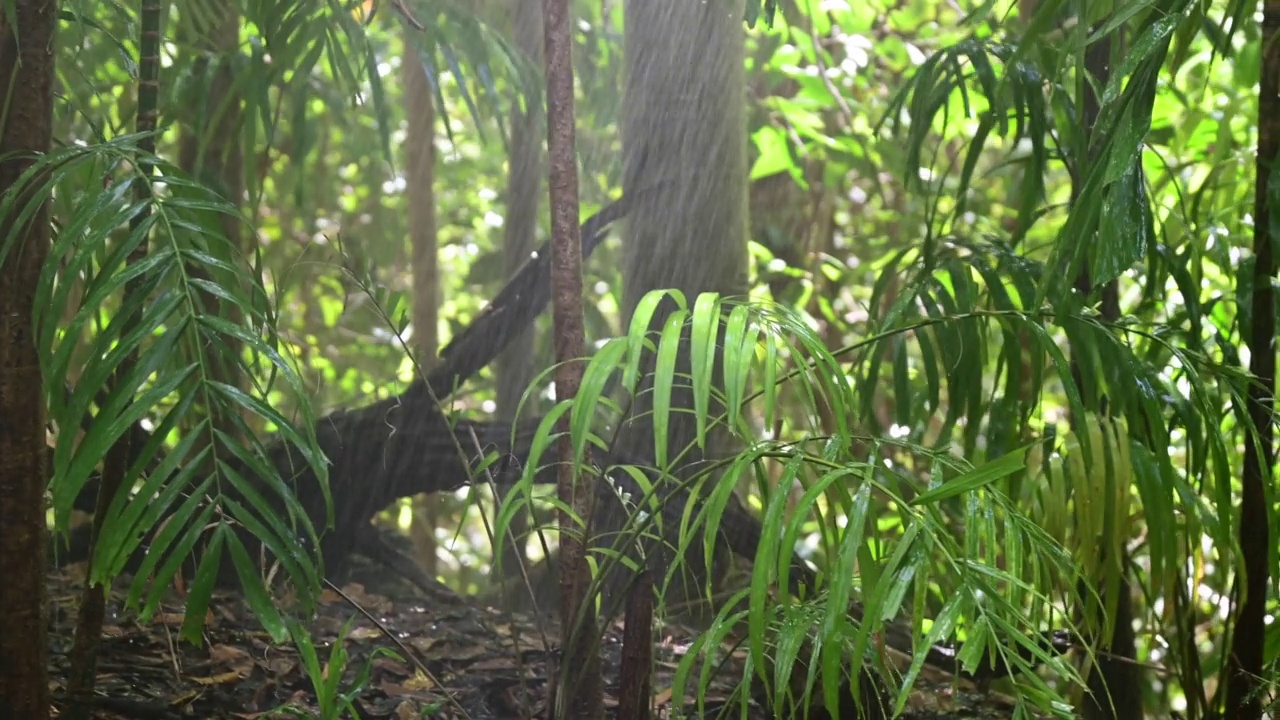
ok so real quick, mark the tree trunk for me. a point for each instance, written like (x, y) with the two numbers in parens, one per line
(579, 690)
(1246, 687)
(684, 127)
(420, 152)
(26, 53)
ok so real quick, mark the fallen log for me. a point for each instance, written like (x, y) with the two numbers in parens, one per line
(404, 445)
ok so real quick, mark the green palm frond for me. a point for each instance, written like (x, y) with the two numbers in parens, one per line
(229, 482)
(965, 526)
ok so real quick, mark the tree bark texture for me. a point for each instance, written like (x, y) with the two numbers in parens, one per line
(26, 54)
(684, 133)
(635, 699)
(684, 125)
(579, 691)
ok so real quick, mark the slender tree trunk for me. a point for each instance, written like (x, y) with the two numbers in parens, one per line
(579, 692)
(420, 190)
(26, 54)
(1245, 664)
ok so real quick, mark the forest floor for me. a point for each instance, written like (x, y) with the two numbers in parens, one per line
(480, 663)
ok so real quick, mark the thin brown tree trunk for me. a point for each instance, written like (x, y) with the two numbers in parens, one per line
(1245, 664)
(635, 699)
(579, 694)
(26, 54)
(420, 152)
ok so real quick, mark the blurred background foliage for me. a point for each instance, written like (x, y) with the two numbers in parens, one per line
(905, 149)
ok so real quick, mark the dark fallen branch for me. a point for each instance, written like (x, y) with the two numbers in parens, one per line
(518, 304)
(405, 445)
